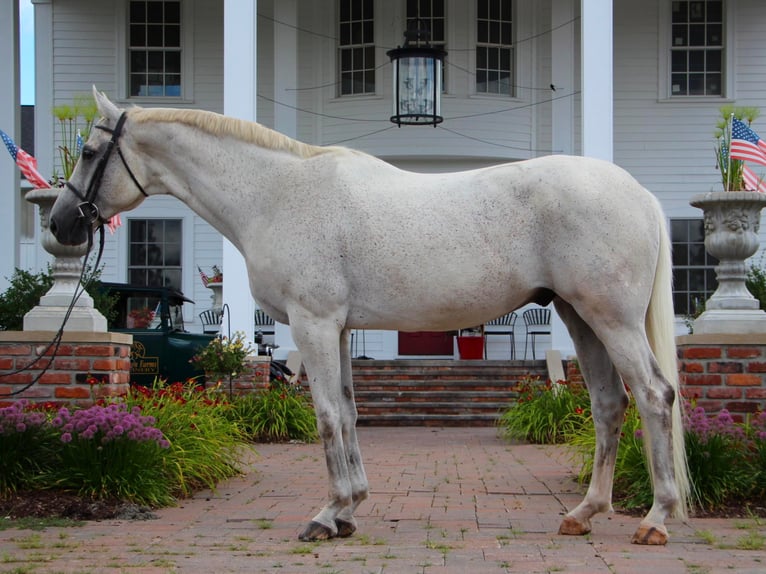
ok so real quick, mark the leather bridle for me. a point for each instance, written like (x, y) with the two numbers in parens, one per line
(88, 208)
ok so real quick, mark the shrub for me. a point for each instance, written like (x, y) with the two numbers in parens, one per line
(545, 413)
(755, 281)
(26, 288)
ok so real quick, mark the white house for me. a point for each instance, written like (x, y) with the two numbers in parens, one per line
(640, 83)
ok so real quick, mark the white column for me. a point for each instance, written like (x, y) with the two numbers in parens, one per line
(562, 121)
(10, 123)
(44, 124)
(285, 117)
(563, 76)
(239, 100)
(286, 66)
(597, 75)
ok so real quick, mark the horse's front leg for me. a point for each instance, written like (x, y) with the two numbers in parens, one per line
(345, 520)
(319, 344)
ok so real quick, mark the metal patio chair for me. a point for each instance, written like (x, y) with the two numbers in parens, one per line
(505, 326)
(537, 321)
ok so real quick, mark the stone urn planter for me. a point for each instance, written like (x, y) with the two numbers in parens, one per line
(732, 220)
(66, 267)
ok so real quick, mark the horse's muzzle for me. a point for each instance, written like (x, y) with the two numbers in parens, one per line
(68, 231)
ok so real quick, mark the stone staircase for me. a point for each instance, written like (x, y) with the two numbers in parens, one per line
(437, 392)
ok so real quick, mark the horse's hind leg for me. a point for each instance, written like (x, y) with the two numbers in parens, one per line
(319, 344)
(345, 520)
(608, 404)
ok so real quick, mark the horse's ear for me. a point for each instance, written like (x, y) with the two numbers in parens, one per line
(105, 107)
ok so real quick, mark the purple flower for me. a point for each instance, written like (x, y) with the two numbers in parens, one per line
(66, 437)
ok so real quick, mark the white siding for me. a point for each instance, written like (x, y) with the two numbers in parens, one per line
(667, 145)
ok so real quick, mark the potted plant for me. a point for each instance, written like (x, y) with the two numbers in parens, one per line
(223, 357)
(75, 122)
(732, 219)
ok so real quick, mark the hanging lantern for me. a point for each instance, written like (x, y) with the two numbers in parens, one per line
(417, 81)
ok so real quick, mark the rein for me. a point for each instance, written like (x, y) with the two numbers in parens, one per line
(88, 209)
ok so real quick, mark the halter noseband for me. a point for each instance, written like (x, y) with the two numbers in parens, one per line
(88, 208)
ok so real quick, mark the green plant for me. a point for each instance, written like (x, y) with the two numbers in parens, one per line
(75, 122)
(545, 413)
(732, 170)
(25, 289)
(111, 452)
(279, 413)
(223, 356)
(27, 446)
(726, 459)
(756, 284)
(204, 447)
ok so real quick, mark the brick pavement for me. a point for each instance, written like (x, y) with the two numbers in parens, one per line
(443, 500)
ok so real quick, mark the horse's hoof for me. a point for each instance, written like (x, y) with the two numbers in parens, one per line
(650, 535)
(316, 531)
(345, 528)
(570, 526)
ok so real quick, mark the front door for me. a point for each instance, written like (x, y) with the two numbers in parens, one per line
(426, 343)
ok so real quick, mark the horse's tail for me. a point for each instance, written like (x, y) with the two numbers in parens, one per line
(660, 330)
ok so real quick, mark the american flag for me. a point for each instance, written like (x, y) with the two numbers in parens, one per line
(745, 143)
(752, 181)
(27, 164)
(205, 278)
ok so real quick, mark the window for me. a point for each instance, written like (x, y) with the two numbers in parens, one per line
(693, 268)
(696, 48)
(494, 47)
(154, 46)
(356, 51)
(154, 252)
(429, 15)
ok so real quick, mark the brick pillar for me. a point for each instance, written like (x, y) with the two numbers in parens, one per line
(80, 358)
(722, 371)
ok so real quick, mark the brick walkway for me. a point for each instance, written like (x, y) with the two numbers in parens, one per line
(443, 500)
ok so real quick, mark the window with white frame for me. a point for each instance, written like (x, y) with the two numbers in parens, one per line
(697, 48)
(356, 47)
(429, 15)
(494, 47)
(154, 48)
(694, 278)
(154, 252)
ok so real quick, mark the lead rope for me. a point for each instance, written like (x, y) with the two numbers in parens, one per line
(56, 342)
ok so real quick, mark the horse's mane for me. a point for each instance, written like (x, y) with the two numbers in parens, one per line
(217, 124)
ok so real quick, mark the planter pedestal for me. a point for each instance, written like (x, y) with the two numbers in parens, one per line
(732, 220)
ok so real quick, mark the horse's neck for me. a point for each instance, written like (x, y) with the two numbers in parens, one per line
(224, 181)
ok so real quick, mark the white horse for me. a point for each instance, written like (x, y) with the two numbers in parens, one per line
(346, 241)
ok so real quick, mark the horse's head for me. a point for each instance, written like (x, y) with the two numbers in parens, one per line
(102, 183)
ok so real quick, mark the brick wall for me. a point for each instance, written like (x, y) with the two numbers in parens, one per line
(724, 371)
(80, 356)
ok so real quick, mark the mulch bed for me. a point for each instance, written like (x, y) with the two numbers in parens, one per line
(61, 504)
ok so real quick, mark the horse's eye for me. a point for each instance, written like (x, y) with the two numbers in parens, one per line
(87, 153)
